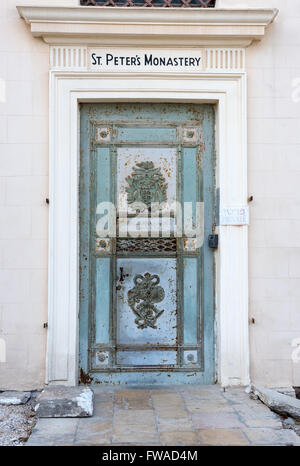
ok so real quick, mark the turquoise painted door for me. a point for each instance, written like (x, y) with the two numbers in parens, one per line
(147, 206)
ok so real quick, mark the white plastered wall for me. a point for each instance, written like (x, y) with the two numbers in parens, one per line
(273, 68)
(274, 169)
(24, 77)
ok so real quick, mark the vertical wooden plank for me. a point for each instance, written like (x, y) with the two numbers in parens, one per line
(190, 300)
(102, 286)
(103, 175)
(189, 166)
(208, 276)
(84, 205)
(102, 303)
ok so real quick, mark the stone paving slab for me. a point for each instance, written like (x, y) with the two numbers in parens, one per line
(179, 438)
(59, 401)
(209, 406)
(175, 416)
(216, 421)
(223, 437)
(175, 425)
(128, 399)
(266, 436)
(14, 398)
(255, 416)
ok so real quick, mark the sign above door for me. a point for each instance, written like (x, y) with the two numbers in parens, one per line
(146, 60)
(139, 60)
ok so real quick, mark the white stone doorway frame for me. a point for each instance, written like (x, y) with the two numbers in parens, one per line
(228, 93)
(222, 82)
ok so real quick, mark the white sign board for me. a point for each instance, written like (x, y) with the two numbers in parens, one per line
(141, 60)
(234, 215)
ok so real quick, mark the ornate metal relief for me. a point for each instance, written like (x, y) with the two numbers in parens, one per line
(146, 245)
(190, 357)
(146, 184)
(103, 244)
(102, 357)
(141, 299)
(190, 135)
(103, 135)
(152, 3)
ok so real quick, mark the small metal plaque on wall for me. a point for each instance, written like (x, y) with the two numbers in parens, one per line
(234, 215)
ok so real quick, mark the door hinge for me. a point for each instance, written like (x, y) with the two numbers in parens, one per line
(45, 325)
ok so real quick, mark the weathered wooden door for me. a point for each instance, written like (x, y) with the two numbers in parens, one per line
(147, 202)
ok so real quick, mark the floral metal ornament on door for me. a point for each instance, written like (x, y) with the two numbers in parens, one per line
(141, 299)
(146, 184)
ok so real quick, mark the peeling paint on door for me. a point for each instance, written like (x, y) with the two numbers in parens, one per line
(146, 307)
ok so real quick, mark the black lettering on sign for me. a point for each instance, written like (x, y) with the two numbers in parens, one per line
(109, 57)
(147, 60)
(96, 59)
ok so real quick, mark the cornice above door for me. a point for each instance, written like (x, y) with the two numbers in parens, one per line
(147, 26)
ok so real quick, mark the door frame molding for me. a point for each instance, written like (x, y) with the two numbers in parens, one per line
(228, 92)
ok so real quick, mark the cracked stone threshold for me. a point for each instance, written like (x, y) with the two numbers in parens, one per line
(60, 401)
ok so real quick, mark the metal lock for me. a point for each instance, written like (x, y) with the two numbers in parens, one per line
(213, 241)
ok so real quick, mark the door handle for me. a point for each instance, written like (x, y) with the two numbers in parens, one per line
(122, 276)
